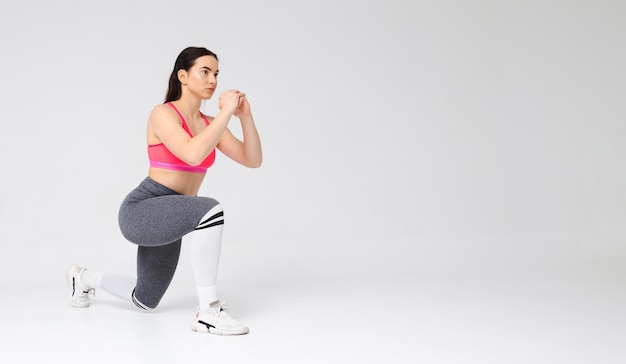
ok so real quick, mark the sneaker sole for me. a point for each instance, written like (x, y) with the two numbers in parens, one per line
(202, 328)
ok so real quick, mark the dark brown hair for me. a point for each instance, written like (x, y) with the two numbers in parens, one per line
(185, 60)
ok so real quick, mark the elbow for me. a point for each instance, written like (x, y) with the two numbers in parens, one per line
(256, 164)
(252, 160)
(194, 162)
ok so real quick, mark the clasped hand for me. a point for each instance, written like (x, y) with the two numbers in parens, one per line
(235, 102)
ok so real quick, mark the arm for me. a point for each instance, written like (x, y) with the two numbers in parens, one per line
(165, 125)
(247, 152)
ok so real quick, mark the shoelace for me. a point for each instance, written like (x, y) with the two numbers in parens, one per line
(90, 292)
(221, 307)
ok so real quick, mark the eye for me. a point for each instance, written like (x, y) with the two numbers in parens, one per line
(205, 72)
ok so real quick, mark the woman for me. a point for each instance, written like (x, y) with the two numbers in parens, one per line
(165, 206)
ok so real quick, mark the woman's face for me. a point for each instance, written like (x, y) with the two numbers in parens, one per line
(201, 79)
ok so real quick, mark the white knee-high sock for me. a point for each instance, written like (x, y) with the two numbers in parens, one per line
(118, 285)
(206, 245)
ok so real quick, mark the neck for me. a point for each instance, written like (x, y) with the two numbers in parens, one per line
(188, 106)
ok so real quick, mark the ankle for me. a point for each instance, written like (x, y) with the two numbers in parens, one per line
(206, 297)
(89, 279)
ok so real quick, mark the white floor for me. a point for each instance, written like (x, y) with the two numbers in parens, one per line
(301, 313)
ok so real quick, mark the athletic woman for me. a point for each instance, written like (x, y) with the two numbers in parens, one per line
(165, 206)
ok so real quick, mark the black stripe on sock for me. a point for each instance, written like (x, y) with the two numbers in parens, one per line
(219, 214)
(221, 222)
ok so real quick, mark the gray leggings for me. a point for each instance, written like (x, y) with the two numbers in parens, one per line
(156, 218)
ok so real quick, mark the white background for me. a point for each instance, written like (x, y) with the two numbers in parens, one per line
(404, 142)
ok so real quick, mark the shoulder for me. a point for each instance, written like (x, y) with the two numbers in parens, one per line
(162, 112)
(163, 118)
(162, 109)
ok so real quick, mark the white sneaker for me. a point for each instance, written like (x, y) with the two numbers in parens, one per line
(80, 293)
(217, 321)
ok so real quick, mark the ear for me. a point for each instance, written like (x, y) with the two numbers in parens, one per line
(182, 76)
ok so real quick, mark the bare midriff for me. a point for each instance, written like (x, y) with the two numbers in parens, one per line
(186, 183)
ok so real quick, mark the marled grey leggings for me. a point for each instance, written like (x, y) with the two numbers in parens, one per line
(156, 218)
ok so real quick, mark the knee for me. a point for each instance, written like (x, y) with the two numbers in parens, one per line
(143, 306)
(213, 217)
(213, 205)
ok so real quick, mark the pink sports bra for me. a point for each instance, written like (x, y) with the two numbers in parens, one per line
(161, 157)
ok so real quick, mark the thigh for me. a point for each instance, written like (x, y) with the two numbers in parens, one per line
(162, 219)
